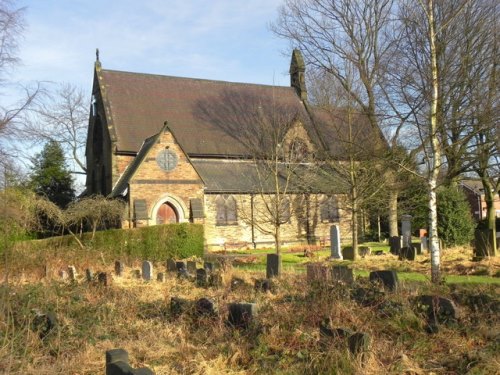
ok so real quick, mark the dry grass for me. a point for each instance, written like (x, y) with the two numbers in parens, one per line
(135, 315)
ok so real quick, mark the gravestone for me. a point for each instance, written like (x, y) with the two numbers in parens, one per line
(437, 310)
(418, 247)
(147, 270)
(201, 277)
(117, 363)
(343, 274)
(273, 267)
(72, 273)
(104, 278)
(407, 252)
(171, 265)
(336, 250)
(191, 267)
(160, 277)
(395, 243)
(63, 274)
(242, 315)
(406, 230)
(358, 343)
(263, 285)
(209, 266)
(364, 251)
(348, 253)
(180, 265)
(205, 307)
(388, 278)
(179, 306)
(317, 272)
(119, 268)
(424, 243)
(89, 275)
(215, 280)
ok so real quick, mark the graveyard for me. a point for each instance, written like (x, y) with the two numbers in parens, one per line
(69, 311)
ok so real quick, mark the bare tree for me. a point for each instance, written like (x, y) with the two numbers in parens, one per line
(331, 33)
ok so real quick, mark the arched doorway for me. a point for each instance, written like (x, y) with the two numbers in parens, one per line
(166, 214)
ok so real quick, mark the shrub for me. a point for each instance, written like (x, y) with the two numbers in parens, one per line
(455, 223)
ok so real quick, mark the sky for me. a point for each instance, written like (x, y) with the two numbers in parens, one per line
(225, 40)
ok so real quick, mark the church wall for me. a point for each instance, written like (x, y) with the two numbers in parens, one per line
(239, 236)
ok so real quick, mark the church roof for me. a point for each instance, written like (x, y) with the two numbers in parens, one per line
(208, 117)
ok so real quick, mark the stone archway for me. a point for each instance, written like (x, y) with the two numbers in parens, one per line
(168, 209)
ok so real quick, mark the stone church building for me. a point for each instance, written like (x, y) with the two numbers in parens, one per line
(192, 150)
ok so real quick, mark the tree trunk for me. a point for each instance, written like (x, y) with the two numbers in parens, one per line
(489, 198)
(393, 214)
(354, 224)
(277, 239)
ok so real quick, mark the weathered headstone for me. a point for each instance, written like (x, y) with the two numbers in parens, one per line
(104, 278)
(180, 264)
(117, 364)
(206, 307)
(179, 305)
(407, 252)
(171, 265)
(388, 278)
(418, 247)
(336, 250)
(348, 253)
(191, 267)
(160, 277)
(63, 274)
(395, 243)
(424, 243)
(119, 268)
(72, 273)
(201, 277)
(317, 272)
(209, 266)
(242, 315)
(273, 267)
(147, 270)
(89, 275)
(406, 230)
(342, 274)
(215, 280)
(437, 310)
(364, 251)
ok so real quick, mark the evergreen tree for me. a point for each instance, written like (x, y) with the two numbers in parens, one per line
(50, 176)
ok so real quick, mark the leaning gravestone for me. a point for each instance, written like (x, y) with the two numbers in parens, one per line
(317, 273)
(205, 307)
(242, 315)
(104, 279)
(389, 279)
(273, 267)
(342, 274)
(336, 251)
(147, 270)
(119, 268)
(191, 267)
(348, 253)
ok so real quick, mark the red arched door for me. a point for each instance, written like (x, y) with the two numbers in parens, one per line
(166, 214)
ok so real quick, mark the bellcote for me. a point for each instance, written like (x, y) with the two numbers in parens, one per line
(297, 74)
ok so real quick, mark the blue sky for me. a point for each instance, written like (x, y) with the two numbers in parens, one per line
(215, 39)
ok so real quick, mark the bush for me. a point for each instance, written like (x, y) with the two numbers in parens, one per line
(154, 243)
(455, 223)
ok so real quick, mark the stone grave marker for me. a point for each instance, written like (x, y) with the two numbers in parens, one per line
(191, 267)
(180, 265)
(437, 310)
(407, 252)
(358, 343)
(348, 253)
(424, 243)
(406, 230)
(418, 247)
(201, 277)
(205, 307)
(273, 266)
(209, 266)
(215, 280)
(119, 268)
(160, 277)
(388, 278)
(147, 270)
(395, 243)
(89, 275)
(117, 363)
(72, 273)
(336, 250)
(104, 278)
(179, 305)
(317, 272)
(171, 265)
(242, 315)
(63, 274)
(343, 274)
